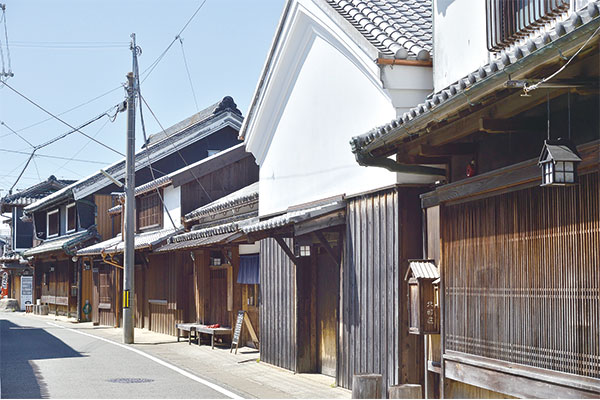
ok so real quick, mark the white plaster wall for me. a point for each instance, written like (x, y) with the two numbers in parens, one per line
(459, 40)
(172, 199)
(407, 85)
(309, 157)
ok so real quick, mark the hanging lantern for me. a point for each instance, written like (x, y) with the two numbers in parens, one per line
(559, 161)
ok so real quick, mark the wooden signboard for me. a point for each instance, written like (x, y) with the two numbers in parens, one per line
(242, 318)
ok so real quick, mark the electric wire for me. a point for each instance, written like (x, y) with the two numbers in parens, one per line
(137, 88)
(188, 73)
(54, 157)
(527, 89)
(63, 121)
(36, 148)
(37, 169)
(177, 150)
(16, 133)
(152, 66)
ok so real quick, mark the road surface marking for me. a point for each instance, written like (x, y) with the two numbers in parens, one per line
(158, 361)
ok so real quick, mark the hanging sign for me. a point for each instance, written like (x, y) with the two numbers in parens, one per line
(26, 291)
(4, 292)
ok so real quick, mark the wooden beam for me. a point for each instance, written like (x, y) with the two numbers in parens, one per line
(512, 176)
(516, 380)
(410, 159)
(448, 149)
(327, 247)
(491, 125)
(286, 249)
(323, 222)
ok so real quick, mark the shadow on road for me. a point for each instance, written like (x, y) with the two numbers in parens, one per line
(19, 345)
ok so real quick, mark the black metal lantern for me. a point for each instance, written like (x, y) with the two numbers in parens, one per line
(559, 160)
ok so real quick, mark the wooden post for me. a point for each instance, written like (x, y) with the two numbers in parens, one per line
(367, 386)
(407, 391)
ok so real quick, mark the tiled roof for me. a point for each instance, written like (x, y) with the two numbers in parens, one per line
(35, 192)
(67, 243)
(398, 28)
(500, 66)
(244, 195)
(155, 149)
(148, 187)
(116, 245)
(194, 243)
(292, 217)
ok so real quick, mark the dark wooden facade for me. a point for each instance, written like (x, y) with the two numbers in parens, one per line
(383, 232)
(345, 317)
(277, 306)
(55, 284)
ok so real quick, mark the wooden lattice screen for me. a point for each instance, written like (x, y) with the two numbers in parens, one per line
(522, 277)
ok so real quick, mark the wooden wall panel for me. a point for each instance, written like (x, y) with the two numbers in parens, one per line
(522, 282)
(277, 306)
(383, 231)
(103, 220)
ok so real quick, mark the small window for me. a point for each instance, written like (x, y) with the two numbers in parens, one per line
(53, 224)
(149, 211)
(71, 218)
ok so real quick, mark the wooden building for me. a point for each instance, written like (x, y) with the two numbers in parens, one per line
(516, 244)
(336, 237)
(197, 137)
(163, 280)
(223, 273)
(21, 235)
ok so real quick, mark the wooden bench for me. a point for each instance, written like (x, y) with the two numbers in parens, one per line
(194, 331)
(190, 328)
(213, 332)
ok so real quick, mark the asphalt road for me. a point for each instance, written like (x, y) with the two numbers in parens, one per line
(41, 359)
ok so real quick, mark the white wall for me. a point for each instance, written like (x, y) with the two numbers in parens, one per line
(172, 199)
(323, 88)
(459, 40)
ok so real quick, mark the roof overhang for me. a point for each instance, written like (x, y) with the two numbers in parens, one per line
(519, 64)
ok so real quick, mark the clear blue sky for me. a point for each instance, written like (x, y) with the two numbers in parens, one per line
(65, 53)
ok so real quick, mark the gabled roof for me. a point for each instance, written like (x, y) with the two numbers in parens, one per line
(145, 240)
(395, 28)
(226, 104)
(176, 137)
(398, 28)
(35, 192)
(422, 269)
(559, 150)
(482, 81)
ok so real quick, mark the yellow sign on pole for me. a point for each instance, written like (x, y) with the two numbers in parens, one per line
(126, 299)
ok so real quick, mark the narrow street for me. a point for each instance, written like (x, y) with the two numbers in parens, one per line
(43, 359)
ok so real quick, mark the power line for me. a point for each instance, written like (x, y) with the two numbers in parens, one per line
(54, 157)
(67, 111)
(16, 133)
(188, 74)
(151, 67)
(61, 120)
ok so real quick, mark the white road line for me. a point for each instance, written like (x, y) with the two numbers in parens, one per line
(158, 361)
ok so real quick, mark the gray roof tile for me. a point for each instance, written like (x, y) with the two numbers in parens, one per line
(398, 28)
(383, 134)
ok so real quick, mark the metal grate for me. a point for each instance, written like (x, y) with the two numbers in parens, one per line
(130, 380)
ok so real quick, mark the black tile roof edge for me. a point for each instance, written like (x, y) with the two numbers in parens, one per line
(38, 189)
(381, 134)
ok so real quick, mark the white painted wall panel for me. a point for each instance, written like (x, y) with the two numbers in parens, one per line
(309, 157)
(172, 199)
(459, 40)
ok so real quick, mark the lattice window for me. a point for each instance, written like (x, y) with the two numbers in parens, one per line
(149, 211)
(511, 20)
(105, 288)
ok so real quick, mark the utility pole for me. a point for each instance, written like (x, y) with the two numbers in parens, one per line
(129, 252)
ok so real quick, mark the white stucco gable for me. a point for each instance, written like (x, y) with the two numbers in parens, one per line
(320, 87)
